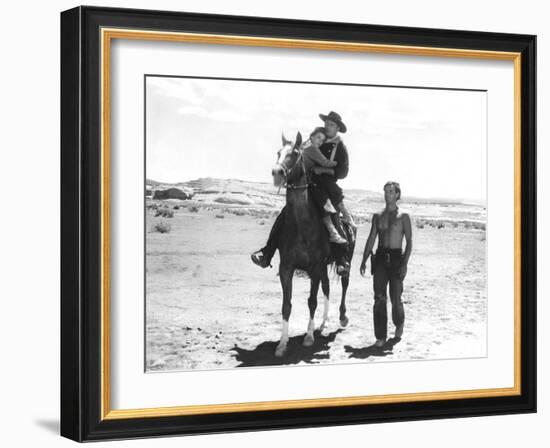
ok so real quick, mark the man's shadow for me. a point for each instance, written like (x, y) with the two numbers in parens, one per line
(264, 354)
(372, 350)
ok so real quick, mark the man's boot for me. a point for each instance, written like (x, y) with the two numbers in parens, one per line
(334, 236)
(346, 215)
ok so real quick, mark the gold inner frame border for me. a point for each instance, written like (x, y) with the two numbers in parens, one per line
(107, 35)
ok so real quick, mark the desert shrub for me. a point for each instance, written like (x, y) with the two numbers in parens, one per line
(454, 224)
(440, 225)
(239, 212)
(419, 224)
(467, 225)
(479, 225)
(161, 227)
(193, 209)
(176, 207)
(262, 223)
(164, 212)
(220, 216)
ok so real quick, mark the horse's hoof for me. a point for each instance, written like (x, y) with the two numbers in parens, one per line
(308, 340)
(280, 351)
(323, 329)
(344, 321)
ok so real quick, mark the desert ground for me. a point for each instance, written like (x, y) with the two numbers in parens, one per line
(209, 307)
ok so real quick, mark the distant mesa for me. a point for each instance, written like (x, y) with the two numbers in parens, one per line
(173, 193)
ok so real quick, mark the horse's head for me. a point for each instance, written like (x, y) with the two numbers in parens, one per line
(287, 169)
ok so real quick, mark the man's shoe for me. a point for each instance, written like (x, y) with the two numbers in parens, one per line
(380, 343)
(259, 259)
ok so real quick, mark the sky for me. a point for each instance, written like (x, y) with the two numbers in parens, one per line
(431, 141)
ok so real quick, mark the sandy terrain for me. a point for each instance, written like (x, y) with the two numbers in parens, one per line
(208, 306)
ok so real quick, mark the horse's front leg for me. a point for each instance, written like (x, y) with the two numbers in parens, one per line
(285, 275)
(343, 318)
(309, 339)
(325, 286)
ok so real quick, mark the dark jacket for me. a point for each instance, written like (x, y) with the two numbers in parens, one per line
(341, 156)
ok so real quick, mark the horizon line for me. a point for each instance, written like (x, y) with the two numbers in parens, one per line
(477, 201)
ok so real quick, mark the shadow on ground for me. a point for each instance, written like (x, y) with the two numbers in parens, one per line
(372, 350)
(264, 354)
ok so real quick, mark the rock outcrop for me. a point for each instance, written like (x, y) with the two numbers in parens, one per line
(173, 193)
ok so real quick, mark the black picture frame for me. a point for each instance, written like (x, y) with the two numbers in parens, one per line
(81, 224)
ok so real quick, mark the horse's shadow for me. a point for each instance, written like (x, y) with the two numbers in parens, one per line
(372, 350)
(264, 353)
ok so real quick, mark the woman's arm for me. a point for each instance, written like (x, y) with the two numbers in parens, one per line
(317, 156)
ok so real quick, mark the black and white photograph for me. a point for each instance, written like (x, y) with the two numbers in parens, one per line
(300, 223)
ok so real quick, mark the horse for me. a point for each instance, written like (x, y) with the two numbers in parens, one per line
(304, 243)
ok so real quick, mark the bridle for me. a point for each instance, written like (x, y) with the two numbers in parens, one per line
(288, 171)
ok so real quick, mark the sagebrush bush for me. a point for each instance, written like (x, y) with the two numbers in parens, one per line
(479, 225)
(161, 227)
(164, 212)
(193, 209)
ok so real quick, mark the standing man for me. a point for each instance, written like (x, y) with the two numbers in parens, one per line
(333, 149)
(389, 264)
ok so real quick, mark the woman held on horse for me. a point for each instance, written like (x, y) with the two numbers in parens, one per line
(314, 158)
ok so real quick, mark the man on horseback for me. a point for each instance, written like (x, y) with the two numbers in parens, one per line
(325, 179)
(314, 160)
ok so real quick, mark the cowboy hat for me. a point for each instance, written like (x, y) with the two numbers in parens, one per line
(336, 118)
